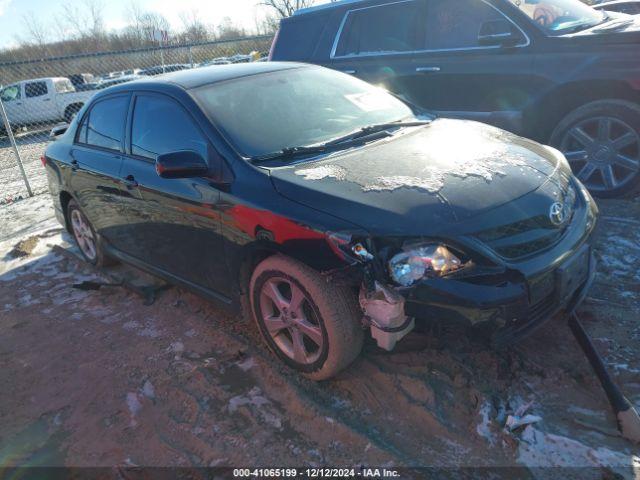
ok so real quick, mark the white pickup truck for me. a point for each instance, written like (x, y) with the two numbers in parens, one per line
(42, 100)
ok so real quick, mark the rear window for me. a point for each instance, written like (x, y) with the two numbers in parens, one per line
(396, 27)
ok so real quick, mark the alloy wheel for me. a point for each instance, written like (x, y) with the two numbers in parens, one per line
(290, 320)
(83, 234)
(604, 152)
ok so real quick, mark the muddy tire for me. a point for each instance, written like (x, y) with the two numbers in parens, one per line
(311, 325)
(88, 241)
(601, 140)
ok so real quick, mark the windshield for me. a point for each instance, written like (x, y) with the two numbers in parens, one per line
(558, 17)
(263, 114)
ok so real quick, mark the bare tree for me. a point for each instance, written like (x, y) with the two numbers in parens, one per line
(193, 29)
(286, 8)
(36, 32)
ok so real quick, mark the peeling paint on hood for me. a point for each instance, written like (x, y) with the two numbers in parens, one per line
(422, 176)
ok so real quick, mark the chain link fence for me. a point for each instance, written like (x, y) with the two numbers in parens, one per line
(37, 94)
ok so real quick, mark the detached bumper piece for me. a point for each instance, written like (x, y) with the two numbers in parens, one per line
(384, 311)
(513, 308)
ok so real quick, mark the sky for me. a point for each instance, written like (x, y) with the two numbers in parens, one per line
(242, 12)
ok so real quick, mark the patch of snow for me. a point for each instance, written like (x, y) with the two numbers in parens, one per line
(540, 449)
(323, 171)
(148, 390)
(255, 400)
(247, 364)
(484, 427)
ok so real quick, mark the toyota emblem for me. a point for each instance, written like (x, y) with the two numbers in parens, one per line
(558, 214)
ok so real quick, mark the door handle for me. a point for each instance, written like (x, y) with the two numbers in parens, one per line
(349, 72)
(46, 100)
(130, 181)
(428, 69)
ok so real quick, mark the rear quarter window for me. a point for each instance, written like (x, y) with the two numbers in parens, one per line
(299, 37)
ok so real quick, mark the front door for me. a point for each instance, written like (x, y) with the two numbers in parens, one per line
(97, 161)
(458, 76)
(174, 223)
(429, 52)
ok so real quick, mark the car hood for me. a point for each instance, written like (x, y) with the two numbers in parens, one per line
(422, 178)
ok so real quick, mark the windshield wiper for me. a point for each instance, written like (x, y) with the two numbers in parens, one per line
(359, 135)
(372, 129)
(289, 152)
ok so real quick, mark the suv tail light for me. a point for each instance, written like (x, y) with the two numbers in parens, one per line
(273, 44)
(43, 159)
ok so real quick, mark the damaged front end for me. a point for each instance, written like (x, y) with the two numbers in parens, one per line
(382, 305)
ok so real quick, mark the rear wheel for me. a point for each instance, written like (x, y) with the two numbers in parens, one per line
(86, 238)
(311, 325)
(601, 141)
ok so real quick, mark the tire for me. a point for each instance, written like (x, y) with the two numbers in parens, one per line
(601, 140)
(98, 258)
(330, 314)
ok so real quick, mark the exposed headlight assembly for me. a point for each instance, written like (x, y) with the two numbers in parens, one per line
(419, 261)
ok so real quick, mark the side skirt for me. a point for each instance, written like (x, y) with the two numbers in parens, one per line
(223, 301)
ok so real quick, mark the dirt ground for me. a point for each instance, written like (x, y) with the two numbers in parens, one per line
(96, 378)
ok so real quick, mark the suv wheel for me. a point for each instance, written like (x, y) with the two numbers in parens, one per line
(311, 325)
(601, 141)
(85, 236)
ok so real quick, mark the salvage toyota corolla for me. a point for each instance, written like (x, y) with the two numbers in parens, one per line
(323, 207)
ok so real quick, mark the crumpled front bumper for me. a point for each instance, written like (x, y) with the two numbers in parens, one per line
(508, 308)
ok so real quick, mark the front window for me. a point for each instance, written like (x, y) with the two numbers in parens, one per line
(557, 17)
(11, 93)
(263, 114)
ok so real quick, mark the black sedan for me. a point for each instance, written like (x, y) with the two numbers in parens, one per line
(323, 206)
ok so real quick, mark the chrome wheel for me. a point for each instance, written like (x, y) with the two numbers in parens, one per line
(290, 320)
(84, 235)
(604, 152)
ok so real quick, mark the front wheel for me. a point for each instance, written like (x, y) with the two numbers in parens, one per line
(601, 141)
(311, 325)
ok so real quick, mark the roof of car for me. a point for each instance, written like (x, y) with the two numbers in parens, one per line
(326, 6)
(197, 77)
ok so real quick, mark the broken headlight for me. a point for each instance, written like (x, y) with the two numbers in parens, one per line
(416, 262)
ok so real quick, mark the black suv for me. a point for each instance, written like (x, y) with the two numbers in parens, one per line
(557, 71)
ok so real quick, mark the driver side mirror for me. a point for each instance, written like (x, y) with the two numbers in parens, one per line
(181, 164)
(498, 33)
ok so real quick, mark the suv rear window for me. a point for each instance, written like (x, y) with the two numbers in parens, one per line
(396, 27)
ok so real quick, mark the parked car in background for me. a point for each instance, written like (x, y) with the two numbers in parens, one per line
(356, 208)
(79, 79)
(42, 100)
(216, 61)
(117, 81)
(630, 7)
(556, 71)
(160, 69)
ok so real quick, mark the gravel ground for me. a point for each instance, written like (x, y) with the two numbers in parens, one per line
(98, 379)
(31, 147)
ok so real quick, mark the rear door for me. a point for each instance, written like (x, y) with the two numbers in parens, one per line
(39, 101)
(97, 160)
(174, 223)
